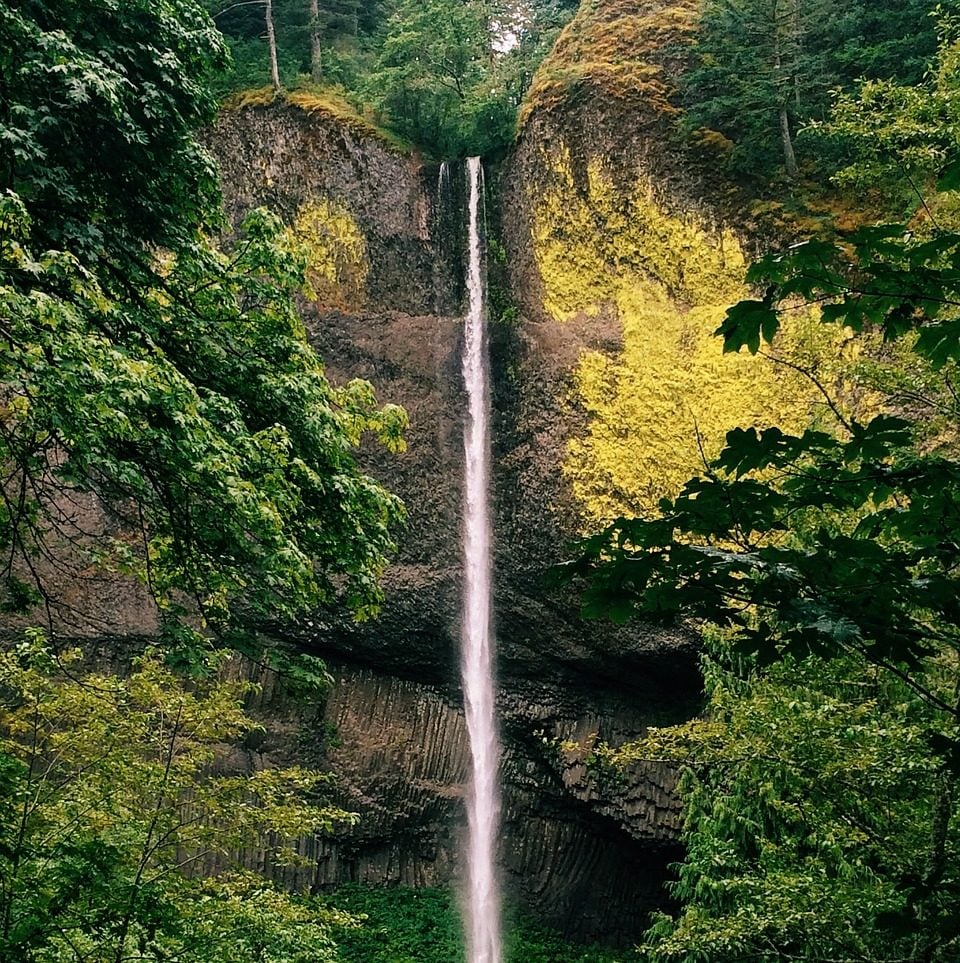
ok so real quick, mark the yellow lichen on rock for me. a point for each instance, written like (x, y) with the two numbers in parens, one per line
(336, 252)
(666, 402)
(591, 238)
(670, 395)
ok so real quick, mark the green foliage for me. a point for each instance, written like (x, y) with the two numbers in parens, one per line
(432, 59)
(755, 60)
(111, 801)
(894, 135)
(811, 805)
(439, 81)
(347, 30)
(443, 74)
(100, 105)
(529, 942)
(398, 925)
(401, 925)
(147, 367)
(821, 790)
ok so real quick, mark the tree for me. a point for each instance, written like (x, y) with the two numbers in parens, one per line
(786, 82)
(811, 805)
(146, 367)
(316, 50)
(272, 44)
(110, 801)
(764, 68)
(894, 136)
(434, 55)
(523, 35)
(450, 76)
(828, 561)
(327, 41)
(100, 107)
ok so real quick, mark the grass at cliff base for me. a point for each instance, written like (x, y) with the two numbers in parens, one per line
(405, 925)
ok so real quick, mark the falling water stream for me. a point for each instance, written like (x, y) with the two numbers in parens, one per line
(483, 802)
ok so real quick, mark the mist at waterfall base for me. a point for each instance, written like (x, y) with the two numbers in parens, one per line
(483, 934)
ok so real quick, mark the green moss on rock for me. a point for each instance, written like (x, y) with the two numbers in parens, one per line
(328, 104)
(618, 49)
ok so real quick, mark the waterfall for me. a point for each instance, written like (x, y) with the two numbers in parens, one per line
(483, 801)
(443, 183)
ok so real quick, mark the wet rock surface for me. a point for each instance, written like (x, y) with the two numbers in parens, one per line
(588, 853)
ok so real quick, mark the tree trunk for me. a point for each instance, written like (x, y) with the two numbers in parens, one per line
(316, 60)
(353, 17)
(789, 157)
(272, 45)
(928, 938)
(796, 42)
(783, 85)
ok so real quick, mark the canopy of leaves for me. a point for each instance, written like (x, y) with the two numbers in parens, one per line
(109, 803)
(143, 365)
(450, 75)
(818, 823)
(348, 31)
(753, 59)
(896, 135)
(433, 58)
(100, 102)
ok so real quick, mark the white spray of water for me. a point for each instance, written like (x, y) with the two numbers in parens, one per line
(443, 183)
(483, 803)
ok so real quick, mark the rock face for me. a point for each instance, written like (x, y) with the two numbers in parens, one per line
(605, 379)
(614, 246)
(588, 857)
(285, 156)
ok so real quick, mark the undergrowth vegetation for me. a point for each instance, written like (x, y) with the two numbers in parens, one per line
(405, 925)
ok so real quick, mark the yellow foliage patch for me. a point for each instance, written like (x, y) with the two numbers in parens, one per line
(588, 237)
(712, 141)
(333, 106)
(253, 97)
(330, 104)
(666, 401)
(336, 251)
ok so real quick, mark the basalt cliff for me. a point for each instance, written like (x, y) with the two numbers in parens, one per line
(609, 268)
(385, 234)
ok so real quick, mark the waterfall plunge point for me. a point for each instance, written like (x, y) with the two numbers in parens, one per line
(483, 800)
